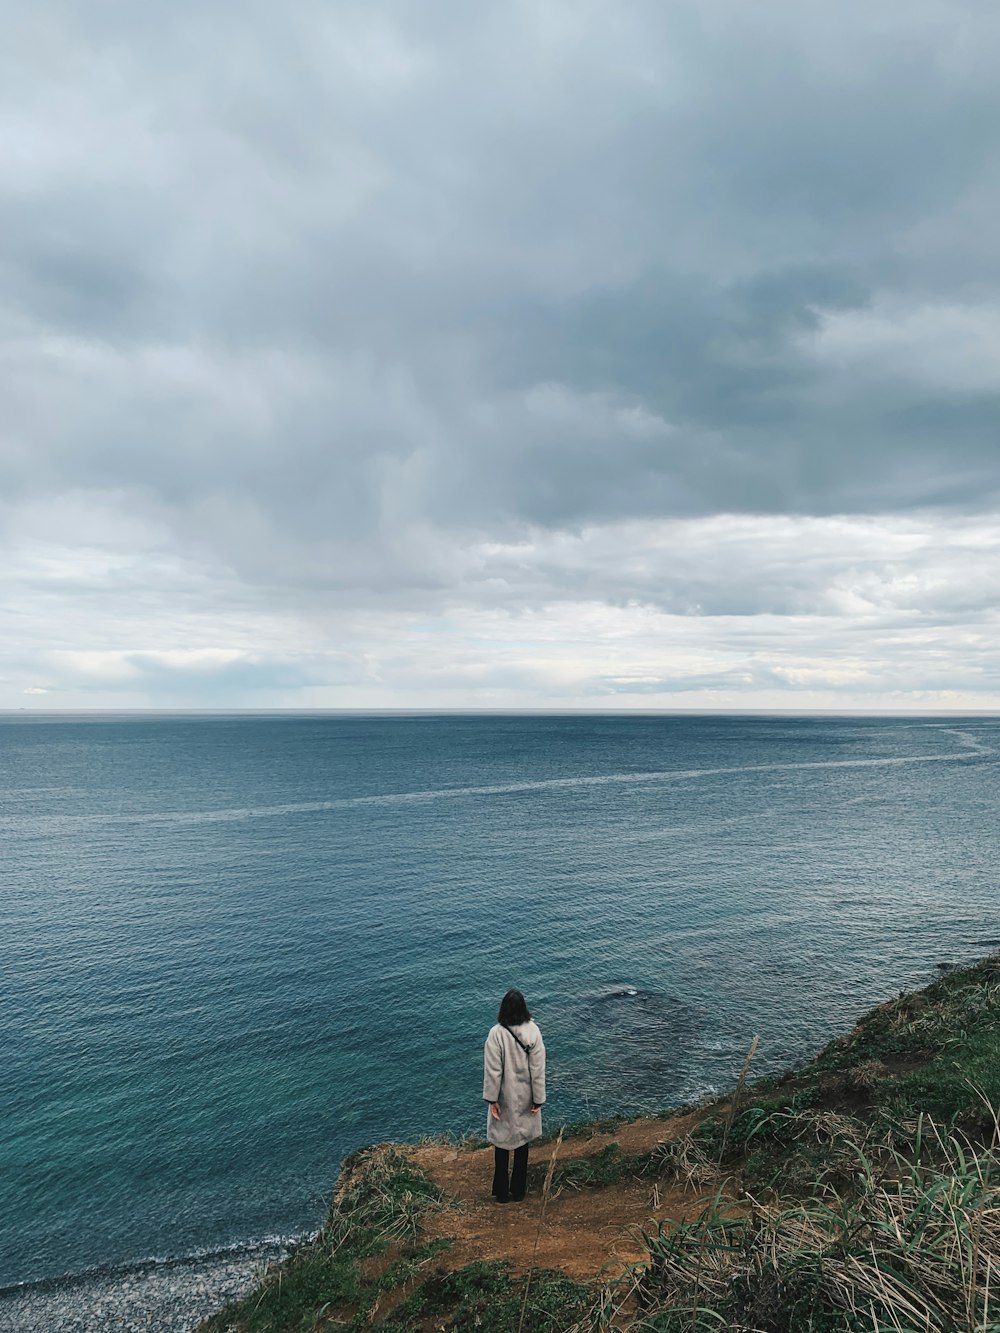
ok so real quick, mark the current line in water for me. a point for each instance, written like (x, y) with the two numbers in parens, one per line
(501, 789)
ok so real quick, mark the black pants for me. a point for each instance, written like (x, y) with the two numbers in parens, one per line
(516, 1186)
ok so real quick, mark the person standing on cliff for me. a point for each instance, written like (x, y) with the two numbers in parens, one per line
(514, 1088)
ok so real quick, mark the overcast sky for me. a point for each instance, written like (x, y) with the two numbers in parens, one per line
(597, 353)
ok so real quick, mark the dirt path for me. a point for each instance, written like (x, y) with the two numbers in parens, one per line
(588, 1233)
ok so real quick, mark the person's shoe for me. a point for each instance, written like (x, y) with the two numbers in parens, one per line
(501, 1198)
(516, 1198)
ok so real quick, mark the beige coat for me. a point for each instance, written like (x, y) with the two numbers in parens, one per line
(515, 1078)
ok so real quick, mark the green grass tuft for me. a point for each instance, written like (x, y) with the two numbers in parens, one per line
(484, 1296)
(380, 1202)
(608, 1166)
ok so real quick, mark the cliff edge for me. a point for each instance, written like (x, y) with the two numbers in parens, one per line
(858, 1192)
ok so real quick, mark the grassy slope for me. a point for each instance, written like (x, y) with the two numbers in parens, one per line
(856, 1193)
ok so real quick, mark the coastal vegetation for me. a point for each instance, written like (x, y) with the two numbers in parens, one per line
(859, 1193)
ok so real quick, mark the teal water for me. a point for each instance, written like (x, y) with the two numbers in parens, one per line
(235, 948)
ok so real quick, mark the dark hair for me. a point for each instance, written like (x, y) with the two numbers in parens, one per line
(513, 1010)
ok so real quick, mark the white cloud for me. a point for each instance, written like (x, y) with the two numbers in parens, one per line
(723, 611)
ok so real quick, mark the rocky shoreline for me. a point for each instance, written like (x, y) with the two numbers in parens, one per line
(171, 1296)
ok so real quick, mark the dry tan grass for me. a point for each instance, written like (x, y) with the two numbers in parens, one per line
(916, 1246)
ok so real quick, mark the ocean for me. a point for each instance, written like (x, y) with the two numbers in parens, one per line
(235, 948)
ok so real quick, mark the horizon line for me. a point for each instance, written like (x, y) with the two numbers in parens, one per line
(555, 711)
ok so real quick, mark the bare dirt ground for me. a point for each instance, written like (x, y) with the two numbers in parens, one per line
(588, 1233)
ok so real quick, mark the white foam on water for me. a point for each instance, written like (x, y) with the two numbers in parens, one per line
(666, 775)
(967, 740)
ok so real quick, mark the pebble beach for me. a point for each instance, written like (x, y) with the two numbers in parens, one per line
(167, 1297)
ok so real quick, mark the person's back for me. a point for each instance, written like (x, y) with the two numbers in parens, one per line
(514, 1087)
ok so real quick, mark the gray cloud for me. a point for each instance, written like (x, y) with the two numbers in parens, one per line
(335, 311)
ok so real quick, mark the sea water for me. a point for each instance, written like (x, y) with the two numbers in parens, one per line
(235, 948)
